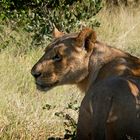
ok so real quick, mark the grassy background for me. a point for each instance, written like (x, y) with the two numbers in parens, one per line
(26, 113)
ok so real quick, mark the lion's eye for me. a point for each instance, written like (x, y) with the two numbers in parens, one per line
(56, 57)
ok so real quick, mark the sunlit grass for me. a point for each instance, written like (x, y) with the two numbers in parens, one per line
(21, 106)
(23, 112)
(121, 28)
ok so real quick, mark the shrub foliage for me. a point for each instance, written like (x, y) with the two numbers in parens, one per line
(38, 15)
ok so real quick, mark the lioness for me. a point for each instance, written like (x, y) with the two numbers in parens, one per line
(109, 77)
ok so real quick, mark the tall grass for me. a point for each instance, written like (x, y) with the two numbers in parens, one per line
(23, 110)
(27, 114)
(121, 28)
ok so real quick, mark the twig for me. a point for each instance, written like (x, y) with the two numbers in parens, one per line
(126, 33)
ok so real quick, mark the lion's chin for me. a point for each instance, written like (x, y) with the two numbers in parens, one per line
(46, 87)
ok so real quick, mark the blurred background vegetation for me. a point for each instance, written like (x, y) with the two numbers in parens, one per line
(39, 15)
(25, 29)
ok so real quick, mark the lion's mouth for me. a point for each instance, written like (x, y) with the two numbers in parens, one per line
(46, 87)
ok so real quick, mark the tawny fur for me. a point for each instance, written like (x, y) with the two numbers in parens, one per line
(109, 77)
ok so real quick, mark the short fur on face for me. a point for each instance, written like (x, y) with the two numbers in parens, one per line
(66, 59)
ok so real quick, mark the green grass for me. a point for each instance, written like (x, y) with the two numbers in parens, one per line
(27, 114)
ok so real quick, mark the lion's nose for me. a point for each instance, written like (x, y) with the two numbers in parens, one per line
(36, 74)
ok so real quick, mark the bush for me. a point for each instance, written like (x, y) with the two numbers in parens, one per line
(38, 15)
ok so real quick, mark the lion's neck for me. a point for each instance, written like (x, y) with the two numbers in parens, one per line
(101, 56)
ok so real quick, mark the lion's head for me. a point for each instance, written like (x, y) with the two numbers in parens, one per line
(65, 60)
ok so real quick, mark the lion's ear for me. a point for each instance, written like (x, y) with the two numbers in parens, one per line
(86, 39)
(57, 33)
